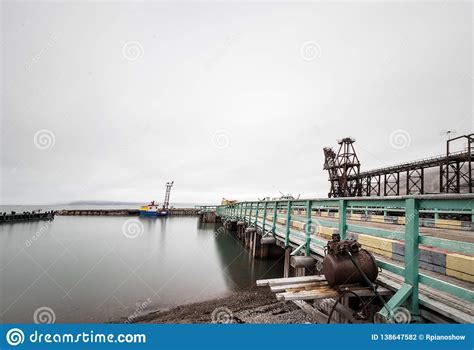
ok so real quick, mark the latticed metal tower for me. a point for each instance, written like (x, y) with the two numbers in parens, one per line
(330, 166)
(343, 169)
(348, 167)
(166, 203)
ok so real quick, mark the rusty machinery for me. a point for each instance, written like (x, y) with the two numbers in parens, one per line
(347, 264)
(455, 172)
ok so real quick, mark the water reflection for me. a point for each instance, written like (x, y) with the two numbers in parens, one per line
(87, 270)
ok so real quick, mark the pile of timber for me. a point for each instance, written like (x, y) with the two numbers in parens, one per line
(314, 296)
(311, 288)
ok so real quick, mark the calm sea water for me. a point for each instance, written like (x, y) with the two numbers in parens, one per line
(100, 269)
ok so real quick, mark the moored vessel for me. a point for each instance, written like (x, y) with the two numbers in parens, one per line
(152, 209)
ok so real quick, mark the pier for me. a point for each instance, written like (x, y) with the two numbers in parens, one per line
(426, 263)
(124, 212)
(26, 216)
(206, 213)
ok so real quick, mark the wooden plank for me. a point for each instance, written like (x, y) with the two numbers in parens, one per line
(289, 280)
(323, 292)
(308, 295)
(284, 287)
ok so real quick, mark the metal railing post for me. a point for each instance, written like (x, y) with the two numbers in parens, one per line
(245, 212)
(342, 218)
(288, 219)
(264, 217)
(308, 227)
(275, 210)
(412, 251)
(250, 213)
(256, 215)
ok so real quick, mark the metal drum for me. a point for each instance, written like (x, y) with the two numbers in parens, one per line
(339, 269)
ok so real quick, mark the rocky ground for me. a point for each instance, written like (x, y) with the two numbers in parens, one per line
(253, 306)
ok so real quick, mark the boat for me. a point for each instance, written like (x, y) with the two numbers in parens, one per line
(152, 209)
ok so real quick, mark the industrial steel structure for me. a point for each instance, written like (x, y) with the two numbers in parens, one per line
(455, 172)
(166, 202)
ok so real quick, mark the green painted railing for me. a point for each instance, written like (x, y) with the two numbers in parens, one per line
(302, 211)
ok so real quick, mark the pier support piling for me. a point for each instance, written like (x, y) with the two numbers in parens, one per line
(286, 266)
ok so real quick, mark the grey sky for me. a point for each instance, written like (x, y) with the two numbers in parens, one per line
(228, 100)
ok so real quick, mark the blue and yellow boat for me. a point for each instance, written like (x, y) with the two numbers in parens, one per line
(152, 209)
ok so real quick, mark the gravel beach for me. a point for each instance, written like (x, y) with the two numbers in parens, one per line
(251, 306)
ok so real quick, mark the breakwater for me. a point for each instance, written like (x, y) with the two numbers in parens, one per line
(26, 216)
(122, 212)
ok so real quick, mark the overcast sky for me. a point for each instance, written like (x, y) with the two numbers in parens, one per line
(108, 101)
